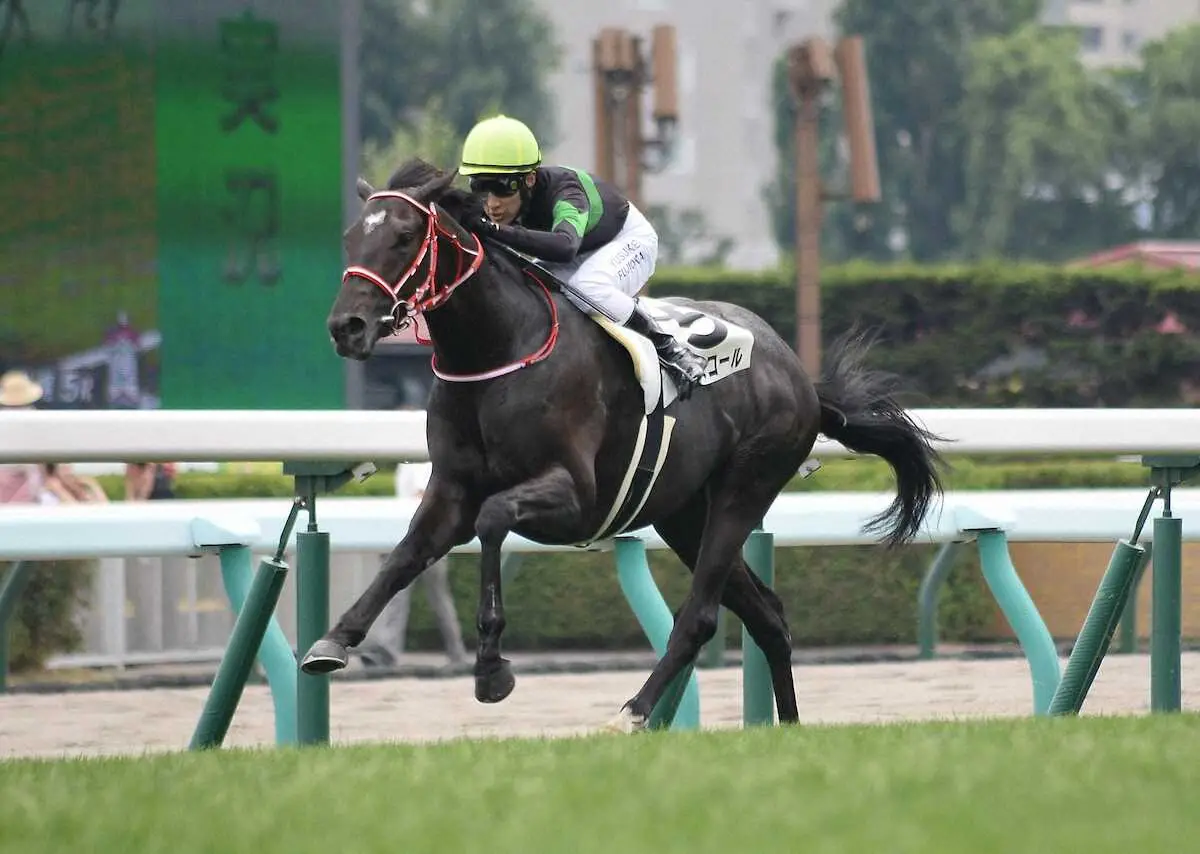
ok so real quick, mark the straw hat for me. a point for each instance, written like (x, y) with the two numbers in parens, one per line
(17, 389)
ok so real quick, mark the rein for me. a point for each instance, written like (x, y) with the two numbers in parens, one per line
(428, 296)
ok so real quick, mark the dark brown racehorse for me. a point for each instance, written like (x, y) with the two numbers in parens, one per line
(533, 420)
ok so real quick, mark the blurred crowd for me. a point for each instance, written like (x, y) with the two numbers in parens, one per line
(57, 483)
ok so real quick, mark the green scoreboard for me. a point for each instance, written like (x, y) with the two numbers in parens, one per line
(172, 197)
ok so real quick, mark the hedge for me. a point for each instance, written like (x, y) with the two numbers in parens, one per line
(833, 596)
(997, 334)
(43, 623)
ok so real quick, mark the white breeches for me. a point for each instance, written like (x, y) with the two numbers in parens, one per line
(612, 275)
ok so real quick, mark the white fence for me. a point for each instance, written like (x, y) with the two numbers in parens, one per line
(152, 602)
(354, 436)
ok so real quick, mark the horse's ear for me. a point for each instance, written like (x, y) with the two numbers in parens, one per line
(365, 190)
(432, 189)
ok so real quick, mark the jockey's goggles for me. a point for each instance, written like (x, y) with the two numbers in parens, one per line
(498, 185)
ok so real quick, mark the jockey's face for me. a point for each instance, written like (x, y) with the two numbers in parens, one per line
(505, 209)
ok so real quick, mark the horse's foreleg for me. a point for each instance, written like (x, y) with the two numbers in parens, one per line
(551, 500)
(442, 521)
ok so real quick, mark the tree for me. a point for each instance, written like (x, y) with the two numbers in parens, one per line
(918, 55)
(431, 137)
(850, 230)
(471, 57)
(1167, 130)
(1043, 137)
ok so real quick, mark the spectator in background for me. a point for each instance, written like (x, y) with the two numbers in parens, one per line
(51, 483)
(384, 643)
(63, 486)
(149, 481)
(21, 484)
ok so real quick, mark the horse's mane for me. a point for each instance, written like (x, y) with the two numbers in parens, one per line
(414, 172)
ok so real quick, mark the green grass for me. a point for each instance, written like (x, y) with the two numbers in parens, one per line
(1089, 785)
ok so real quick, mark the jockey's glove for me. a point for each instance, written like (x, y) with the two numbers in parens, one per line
(481, 224)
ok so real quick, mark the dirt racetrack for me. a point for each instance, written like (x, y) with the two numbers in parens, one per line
(133, 721)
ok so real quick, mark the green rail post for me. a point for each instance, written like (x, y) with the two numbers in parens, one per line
(1128, 642)
(1098, 627)
(312, 621)
(274, 651)
(758, 695)
(15, 581)
(1022, 615)
(1166, 628)
(312, 586)
(248, 630)
(679, 707)
(927, 599)
(665, 714)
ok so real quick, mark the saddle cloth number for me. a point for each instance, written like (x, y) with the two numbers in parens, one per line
(725, 346)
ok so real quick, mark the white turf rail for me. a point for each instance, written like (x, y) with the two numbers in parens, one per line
(185, 527)
(389, 436)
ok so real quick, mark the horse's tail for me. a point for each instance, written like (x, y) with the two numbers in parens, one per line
(858, 409)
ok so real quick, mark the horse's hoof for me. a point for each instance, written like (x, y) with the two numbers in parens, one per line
(324, 656)
(626, 722)
(494, 681)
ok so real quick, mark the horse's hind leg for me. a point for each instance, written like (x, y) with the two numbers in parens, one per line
(761, 611)
(755, 604)
(738, 498)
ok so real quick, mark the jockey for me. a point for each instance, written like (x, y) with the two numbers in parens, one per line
(580, 227)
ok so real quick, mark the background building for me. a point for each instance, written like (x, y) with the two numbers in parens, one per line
(1113, 31)
(726, 153)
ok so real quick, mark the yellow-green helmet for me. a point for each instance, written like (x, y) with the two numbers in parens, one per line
(499, 145)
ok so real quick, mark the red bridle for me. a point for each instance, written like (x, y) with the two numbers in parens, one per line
(429, 296)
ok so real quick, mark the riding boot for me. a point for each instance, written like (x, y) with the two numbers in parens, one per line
(686, 366)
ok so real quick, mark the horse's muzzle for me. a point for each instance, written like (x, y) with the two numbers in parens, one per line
(353, 335)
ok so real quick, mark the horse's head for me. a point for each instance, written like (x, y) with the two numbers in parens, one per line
(392, 249)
